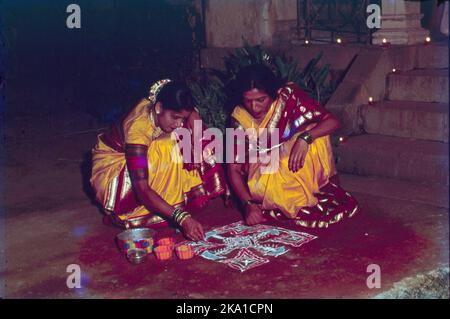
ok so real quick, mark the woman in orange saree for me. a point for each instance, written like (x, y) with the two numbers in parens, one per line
(138, 172)
(303, 188)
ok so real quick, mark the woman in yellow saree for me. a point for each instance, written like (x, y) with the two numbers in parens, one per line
(304, 186)
(138, 173)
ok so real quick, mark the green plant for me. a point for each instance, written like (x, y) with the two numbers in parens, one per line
(210, 100)
(312, 79)
(242, 57)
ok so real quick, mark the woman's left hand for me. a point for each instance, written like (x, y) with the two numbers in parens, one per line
(298, 155)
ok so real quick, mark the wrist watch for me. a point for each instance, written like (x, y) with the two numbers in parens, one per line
(306, 136)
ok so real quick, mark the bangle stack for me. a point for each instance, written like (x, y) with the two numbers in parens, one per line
(179, 216)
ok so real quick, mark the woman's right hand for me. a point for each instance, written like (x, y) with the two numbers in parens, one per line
(254, 214)
(193, 229)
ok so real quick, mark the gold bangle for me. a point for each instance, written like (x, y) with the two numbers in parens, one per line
(176, 213)
(180, 217)
(184, 218)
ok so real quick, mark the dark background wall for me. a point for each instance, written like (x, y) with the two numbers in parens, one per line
(102, 68)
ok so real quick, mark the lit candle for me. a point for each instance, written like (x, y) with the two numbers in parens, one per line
(370, 100)
(339, 40)
(306, 41)
(341, 139)
(427, 40)
(394, 70)
(385, 43)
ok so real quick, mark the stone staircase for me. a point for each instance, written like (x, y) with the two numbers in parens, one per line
(399, 167)
(407, 133)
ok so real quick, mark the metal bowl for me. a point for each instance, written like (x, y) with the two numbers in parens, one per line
(137, 238)
(136, 234)
(136, 256)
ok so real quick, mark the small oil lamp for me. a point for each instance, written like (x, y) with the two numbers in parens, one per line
(385, 43)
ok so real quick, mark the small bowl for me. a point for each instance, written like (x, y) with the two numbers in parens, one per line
(136, 256)
(137, 238)
(166, 241)
(184, 252)
(163, 252)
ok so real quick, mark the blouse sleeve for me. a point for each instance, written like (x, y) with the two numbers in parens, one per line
(137, 127)
(138, 133)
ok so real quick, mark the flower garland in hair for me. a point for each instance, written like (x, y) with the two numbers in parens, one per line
(156, 88)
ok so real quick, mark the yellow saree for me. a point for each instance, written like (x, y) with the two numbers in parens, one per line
(297, 195)
(166, 175)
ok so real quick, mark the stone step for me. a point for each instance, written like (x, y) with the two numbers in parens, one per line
(323, 37)
(433, 195)
(422, 85)
(421, 120)
(433, 56)
(394, 157)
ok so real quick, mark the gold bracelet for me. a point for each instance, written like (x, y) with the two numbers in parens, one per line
(184, 218)
(180, 217)
(176, 213)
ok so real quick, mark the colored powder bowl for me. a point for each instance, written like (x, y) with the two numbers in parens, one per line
(166, 241)
(184, 252)
(137, 238)
(163, 252)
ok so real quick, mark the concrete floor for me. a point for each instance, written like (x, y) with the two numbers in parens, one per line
(51, 223)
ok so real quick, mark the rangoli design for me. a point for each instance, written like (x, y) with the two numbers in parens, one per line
(244, 247)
